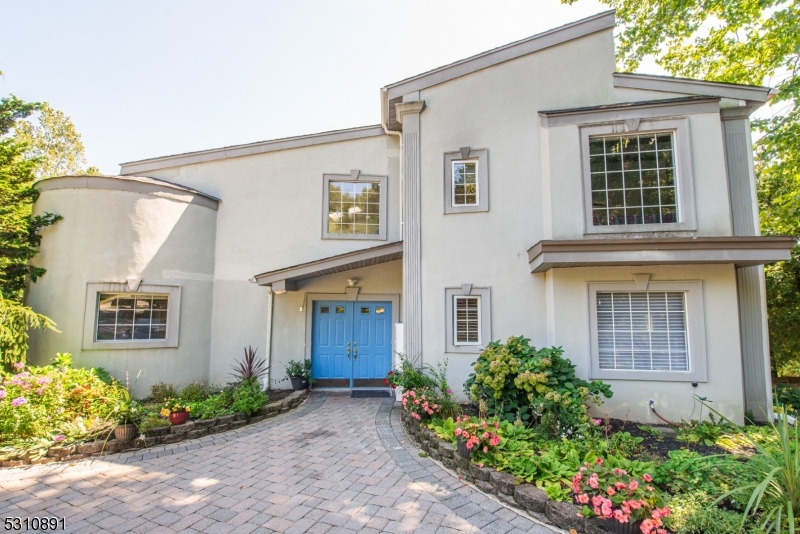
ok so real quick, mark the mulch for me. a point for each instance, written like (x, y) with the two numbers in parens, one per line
(278, 394)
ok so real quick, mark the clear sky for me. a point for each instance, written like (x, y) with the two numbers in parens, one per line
(152, 78)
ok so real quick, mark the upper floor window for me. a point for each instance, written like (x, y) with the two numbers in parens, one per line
(638, 181)
(633, 179)
(124, 317)
(354, 209)
(466, 180)
(465, 183)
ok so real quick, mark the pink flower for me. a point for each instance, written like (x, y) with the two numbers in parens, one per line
(647, 526)
(18, 365)
(458, 431)
(43, 380)
(647, 478)
(633, 485)
(582, 498)
(597, 422)
(485, 435)
(59, 437)
(485, 450)
(597, 500)
(599, 461)
(593, 482)
(3, 394)
(19, 401)
(611, 491)
(619, 516)
(605, 508)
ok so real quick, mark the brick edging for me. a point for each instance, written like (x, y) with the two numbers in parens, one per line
(197, 431)
(504, 486)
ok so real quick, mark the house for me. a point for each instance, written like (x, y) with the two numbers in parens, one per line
(529, 189)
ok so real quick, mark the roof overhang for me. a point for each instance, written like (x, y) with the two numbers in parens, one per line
(740, 251)
(286, 279)
(751, 93)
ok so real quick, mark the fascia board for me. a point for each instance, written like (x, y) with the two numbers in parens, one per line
(287, 143)
(629, 110)
(581, 28)
(689, 86)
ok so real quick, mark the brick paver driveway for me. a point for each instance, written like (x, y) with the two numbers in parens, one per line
(335, 464)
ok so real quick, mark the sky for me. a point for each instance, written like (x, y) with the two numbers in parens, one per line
(152, 78)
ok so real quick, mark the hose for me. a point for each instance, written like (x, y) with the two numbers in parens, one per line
(653, 409)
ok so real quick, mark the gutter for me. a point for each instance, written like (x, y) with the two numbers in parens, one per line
(384, 122)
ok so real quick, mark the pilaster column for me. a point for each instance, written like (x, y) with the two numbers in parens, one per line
(408, 115)
(750, 282)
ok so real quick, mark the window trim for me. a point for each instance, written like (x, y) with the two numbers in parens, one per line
(382, 181)
(484, 318)
(695, 332)
(684, 178)
(93, 289)
(467, 154)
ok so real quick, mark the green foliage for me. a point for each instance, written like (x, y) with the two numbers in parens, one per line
(788, 396)
(686, 471)
(295, 369)
(751, 42)
(444, 428)
(706, 432)
(248, 397)
(516, 381)
(15, 320)
(694, 513)
(214, 406)
(19, 228)
(195, 392)
(152, 421)
(252, 367)
(410, 375)
(103, 375)
(162, 391)
(54, 143)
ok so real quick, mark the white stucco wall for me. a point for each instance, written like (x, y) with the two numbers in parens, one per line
(270, 218)
(110, 235)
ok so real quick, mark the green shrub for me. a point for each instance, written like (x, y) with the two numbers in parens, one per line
(695, 513)
(248, 397)
(15, 320)
(195, 392)
(215, 405)
(516, 381)
(162, 391)
(410, 375)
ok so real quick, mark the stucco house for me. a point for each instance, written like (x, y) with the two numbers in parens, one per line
(529, 189)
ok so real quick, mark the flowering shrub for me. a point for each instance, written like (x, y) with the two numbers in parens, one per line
(421, 403)
(614, 494)
(478, 434)
(174, 406)
(518, 382)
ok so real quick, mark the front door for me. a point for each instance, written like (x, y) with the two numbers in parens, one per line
(351, 343)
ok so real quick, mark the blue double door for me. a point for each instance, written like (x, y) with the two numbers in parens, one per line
(351, 343)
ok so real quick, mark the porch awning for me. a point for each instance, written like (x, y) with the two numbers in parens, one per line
(286, 279)
(741, 251)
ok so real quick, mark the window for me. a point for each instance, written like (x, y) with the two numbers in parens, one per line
(644, 331)
(468, 312)
(467, 327)
(466, 181)
(654, 332)
(354, 208)
(126, 316)
(633, 179)
(640, 180)
(119, 317)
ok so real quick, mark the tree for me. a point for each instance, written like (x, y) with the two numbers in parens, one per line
(19, 228)
(54, 143)
(740, 41)
(15, 319)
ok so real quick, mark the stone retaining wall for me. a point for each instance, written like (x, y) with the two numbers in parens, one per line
(163, 435)
(504, 486)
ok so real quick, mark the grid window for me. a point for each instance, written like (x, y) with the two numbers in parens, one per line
(354, 208)
(642, 331)
(465, 183)
(633, 179)
(467, 321)
(125, 317)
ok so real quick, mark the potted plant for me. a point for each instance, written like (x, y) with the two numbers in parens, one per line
(176, 411)
(475, 434)
(128, 416)
(626, 504)
(299, 374)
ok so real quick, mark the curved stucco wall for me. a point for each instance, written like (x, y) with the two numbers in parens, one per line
(111, 235)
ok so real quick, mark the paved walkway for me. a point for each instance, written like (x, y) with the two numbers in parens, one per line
(334, 465)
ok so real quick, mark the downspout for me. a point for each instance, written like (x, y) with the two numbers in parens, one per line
(384, 122)
(268, 356)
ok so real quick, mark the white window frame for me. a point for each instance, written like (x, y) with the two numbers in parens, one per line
(455, 319)
(695, 331)
(93, 289)
(684, 178)
(477, 182)
(484, 318)
(480, 156)
(382, 181)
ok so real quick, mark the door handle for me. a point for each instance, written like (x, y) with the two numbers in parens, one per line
(355, 352)
(347, 350)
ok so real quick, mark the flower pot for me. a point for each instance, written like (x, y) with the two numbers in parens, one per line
(463, 451)
(612, 525)
(178, 418)
(298, 383)
(125, 432)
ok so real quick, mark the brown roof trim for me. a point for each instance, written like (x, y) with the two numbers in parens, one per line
(741, 251)
(287, 277)
(671, 84)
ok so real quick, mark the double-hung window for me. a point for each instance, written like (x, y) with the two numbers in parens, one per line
(354, 209)
(466, 180)
(656, 333)
(638, 181)
(465, 183)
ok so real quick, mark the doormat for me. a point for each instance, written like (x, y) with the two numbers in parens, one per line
(369, 393)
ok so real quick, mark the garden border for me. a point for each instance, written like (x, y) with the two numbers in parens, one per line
(167, 435)
(527, 498)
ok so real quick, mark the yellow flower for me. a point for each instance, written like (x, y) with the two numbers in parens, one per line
(164, 412)
(188, 409)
